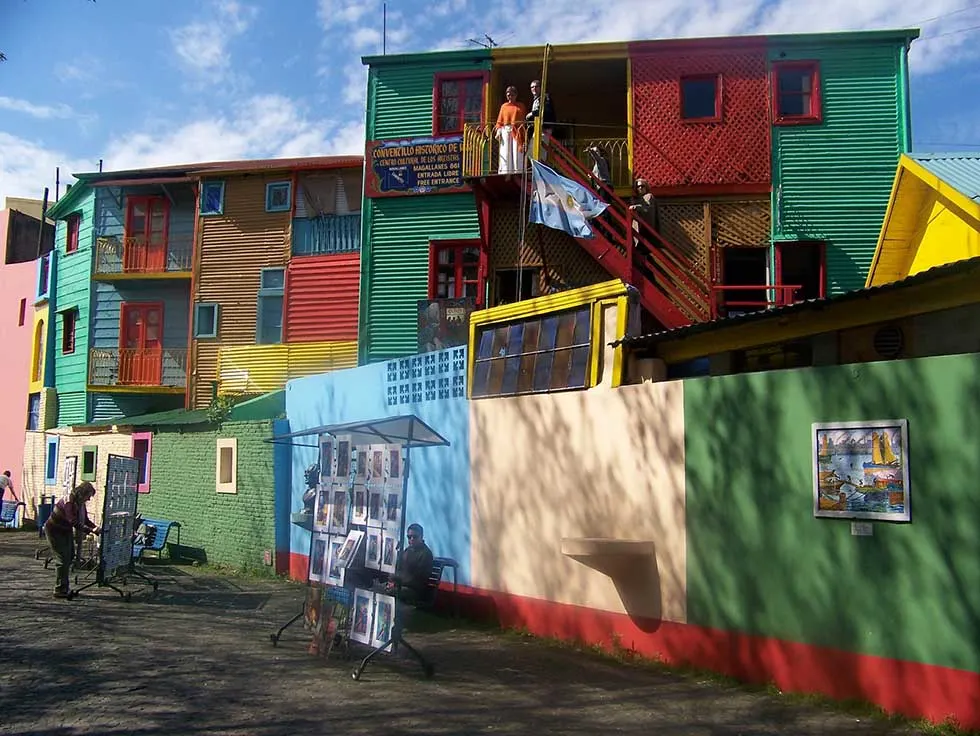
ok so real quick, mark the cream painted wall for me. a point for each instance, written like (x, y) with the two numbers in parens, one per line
(598, 463)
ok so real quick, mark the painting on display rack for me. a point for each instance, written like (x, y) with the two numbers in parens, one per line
(372, 551)
(384, 620)
(334, 571)
(363, 625)
(861, 470)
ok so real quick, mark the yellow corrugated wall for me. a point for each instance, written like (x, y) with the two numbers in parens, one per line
(252, 369)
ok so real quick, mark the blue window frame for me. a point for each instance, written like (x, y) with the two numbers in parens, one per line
(278, 196)
(212, 197)
(268, 328)
(51, 461)
(44, 267)
(206, 320)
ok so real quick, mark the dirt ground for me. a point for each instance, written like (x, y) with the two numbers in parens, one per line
(195, 658)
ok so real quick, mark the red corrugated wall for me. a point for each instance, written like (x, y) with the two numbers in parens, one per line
(321, 298)
(672, 153)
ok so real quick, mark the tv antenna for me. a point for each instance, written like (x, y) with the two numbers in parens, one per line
(486, 42)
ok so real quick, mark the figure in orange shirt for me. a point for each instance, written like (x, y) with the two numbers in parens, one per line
(510, 133)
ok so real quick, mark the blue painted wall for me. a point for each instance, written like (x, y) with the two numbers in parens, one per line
(110, 294)
(431, 386)
(110, 209)
(282, 458)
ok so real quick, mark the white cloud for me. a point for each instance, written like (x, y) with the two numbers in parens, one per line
(44, 112)
(26, 167)
(364, 37)
(201, 47)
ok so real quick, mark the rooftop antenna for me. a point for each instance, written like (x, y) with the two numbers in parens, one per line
(384, 29)
(487, 42)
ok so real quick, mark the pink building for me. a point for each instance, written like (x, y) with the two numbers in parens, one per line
(18, 293)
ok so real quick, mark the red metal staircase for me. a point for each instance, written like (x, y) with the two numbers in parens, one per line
(667, 280)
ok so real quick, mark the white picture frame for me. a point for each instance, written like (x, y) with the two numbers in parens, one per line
(318, 558)
(372, 548)
(376, 466)
(392, 511)
(384, 621)
(339, 509)
(376, 507)
(361, 455)
(328, 459)
(394, 465)
(362, 623)
(321, 508)
(342, 464)
(349, 549)
(69, 477)
(334, 573)
(359, 505)
(389, 552)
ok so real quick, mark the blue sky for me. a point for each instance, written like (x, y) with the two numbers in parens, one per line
(217, 79)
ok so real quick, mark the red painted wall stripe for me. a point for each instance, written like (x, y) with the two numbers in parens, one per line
(909, 688)
(322, 297)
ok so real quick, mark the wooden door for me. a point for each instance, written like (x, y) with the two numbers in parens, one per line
(146, 235)
(141, 344)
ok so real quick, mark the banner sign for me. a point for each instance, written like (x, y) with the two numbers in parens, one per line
(408, 166)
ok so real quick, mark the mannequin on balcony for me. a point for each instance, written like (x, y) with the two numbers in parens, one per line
(544, 110)
(644, 208)
(510, 133)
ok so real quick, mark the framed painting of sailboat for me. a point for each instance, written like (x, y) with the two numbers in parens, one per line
(861, 470)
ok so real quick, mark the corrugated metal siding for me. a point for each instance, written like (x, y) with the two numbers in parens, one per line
(114, 406)
(260, 368)
(110, 295)
(73, 283)
(400, 97)
(326, 234)
(234, 248)
(72, 408)
(832, 181)
(321, 298)
(397, 274)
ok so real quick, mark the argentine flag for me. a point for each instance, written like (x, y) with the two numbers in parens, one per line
(562, 204)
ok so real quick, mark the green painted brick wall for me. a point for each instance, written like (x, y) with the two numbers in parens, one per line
(230, 529)
(760, 563)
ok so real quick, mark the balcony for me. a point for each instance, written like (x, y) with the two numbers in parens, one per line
(314, 236)
(149, 370)
(481, 153)
(137, 257)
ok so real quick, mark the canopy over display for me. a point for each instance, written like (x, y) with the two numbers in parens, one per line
(406, 430)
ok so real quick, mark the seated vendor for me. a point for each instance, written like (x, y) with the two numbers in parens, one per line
(414, 567)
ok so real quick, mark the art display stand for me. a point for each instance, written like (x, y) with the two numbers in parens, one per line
(118, 516)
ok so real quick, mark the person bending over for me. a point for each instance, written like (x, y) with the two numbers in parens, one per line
(69, 515)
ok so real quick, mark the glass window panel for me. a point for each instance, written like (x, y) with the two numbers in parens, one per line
(515, 338)
(512, 367)
(212, 197)
(698, 97)
(531, 331)
(794, 105)
(499, 342)
(496, 382)
(549, 331)
(448, 124)
(566, 330)
(481, 376)
(274, 279)
(542, 371)
(583, 326)
(448, 89)
(793, 80)
(580, 364)
(486, 340)
(444, 256)
(471, 255)
(470, 289)
(525, 378)
(559, 372)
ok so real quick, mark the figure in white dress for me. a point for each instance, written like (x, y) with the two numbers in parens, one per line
(510, 132)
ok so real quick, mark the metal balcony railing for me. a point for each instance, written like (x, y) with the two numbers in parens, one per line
(163, 367)
(326, 234)
(481, 152)
(138, 255)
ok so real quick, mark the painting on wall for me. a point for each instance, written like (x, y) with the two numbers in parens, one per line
(861, 470)
(362, 627)
(384, 620)
(372, 550)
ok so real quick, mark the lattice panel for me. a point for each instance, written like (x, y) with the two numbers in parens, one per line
(435, 376)
(682, 224)
(740, 223)
(670, 152)
(569, 265)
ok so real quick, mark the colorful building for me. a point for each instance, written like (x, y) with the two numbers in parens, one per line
(770, 179)
(933, 216)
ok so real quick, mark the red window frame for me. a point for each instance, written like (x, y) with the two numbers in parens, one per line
(821, 276)
(71, 237)
(816, 110)
(435, 246)
(69, 319)
(458, 77)
(717, 79)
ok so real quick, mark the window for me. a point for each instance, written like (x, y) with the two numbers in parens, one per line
(458, 100)
(33, 412)
(515, 285)
(801, 265)
(212, 197)
(205, 320)
(701, 98)
(457, 270)
(68, 321)
(22, 313)
(796, 92)
(90, 455)
(549, 353)
(226, 466)
(268, 329)
(142, 447)
(278, 197)
(71, 237)
(43, 277)
(38, 362)
(51, 461)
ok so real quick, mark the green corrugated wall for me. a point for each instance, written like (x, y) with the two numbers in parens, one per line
(398, 273)
(832, 181)
(397, 230)
(74, 287)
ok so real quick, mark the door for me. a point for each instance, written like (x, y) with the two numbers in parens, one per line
(141, 348)
(146, 235)
(743, 274)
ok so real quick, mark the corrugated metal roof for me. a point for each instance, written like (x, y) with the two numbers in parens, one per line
(960, 170)
(267, 406)
(264, 164)
(967, 266)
